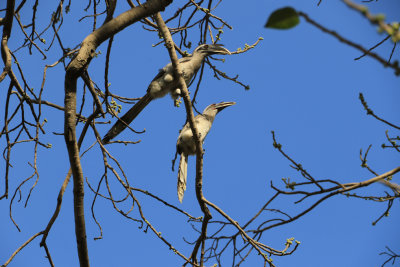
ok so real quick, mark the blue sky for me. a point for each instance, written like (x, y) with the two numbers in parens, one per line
(304, 85)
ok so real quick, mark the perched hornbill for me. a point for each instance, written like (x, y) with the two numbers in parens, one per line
(186, 145)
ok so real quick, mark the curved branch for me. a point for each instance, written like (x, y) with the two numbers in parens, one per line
(75, 69)
(21, 247)
(7, 25)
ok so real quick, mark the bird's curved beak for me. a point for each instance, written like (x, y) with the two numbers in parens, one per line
(222, 105)
(217, 49)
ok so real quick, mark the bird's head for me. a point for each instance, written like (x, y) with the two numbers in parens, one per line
(213, 109)
(211, 49)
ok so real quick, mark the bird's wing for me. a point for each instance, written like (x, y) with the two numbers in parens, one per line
(169, 69)
(161, 72)
(184, 59)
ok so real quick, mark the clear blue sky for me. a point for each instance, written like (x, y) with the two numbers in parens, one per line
(304, 86)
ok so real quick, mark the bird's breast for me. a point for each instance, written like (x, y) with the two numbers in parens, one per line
(186, 143)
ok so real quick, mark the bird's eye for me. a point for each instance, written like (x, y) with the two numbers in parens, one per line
(205, 47)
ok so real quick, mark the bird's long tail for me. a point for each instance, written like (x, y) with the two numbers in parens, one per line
(182, 176)
(127, 118)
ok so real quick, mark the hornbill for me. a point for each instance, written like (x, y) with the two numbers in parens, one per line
(186, 145)
(164, 83)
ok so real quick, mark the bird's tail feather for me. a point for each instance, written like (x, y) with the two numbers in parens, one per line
(182, 176)
(127, 118)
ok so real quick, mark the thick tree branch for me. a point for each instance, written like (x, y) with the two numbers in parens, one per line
(7, 25)
(76, 68)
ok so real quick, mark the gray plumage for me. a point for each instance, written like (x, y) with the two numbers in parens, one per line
(165, 83)
(186, 146)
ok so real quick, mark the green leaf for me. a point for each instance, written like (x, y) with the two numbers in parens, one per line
(283, 19)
